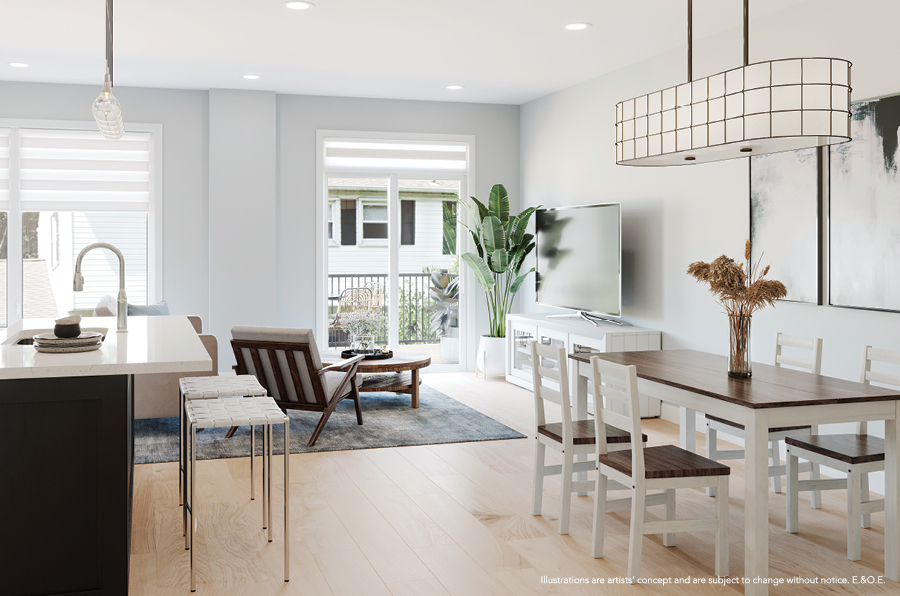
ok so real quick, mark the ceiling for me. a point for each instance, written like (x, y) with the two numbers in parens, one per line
(501, 51)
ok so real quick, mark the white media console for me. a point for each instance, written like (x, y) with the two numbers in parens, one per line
(576, 335)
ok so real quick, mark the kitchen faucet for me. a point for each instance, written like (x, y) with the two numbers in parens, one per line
(121, 301)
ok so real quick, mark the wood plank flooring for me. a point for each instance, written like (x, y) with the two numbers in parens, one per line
(454, 520)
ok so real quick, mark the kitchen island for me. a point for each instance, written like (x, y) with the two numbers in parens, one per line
(68, 451)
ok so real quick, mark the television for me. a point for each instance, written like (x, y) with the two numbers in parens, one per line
(579, 259)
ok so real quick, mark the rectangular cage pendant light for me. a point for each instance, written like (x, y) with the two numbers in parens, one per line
(766, 107)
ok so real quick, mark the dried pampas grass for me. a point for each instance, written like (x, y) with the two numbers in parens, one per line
(740, 290)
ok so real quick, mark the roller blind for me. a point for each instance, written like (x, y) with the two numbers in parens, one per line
(4, 169)
(75, 170)
(396, 155)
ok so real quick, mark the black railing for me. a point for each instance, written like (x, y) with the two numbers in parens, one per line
(414, 319)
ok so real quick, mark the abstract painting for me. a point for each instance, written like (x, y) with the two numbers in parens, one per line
(865, 209)
(784, 220)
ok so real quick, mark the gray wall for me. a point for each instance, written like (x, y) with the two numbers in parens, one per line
(674, 216)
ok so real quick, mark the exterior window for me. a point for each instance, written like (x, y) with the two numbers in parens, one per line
(334, 214)
(448, 245)
(375, 221)
(408, 222)
(348, 222)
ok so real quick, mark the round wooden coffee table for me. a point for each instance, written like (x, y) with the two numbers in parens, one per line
(388, 374)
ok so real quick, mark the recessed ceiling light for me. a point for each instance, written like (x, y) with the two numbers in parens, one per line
(455, 87)
(19, 65)
(251, 77)
(577, 26)
(298, 5)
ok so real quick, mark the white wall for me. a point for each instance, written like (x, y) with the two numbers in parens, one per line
(674, 216)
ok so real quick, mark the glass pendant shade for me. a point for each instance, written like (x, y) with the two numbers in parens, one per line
(108, 113)
(766, 107)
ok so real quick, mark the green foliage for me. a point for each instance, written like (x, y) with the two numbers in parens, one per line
(502, 245)
(445, 310)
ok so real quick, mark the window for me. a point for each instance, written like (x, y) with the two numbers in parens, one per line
(408, 222)
(73, 188)
(348, 222)
(375, 221)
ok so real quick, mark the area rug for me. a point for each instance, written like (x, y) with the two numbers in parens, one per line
(388, 421)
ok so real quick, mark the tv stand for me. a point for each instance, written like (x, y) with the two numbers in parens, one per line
(591, 318)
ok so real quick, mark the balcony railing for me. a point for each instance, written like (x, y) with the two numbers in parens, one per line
(413, 306)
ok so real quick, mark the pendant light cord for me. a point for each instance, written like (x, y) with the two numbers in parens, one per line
(746, 32)
(109, 39)
(690, 35)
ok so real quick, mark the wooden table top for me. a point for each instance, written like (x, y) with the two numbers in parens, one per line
(401, 361)
(769, 387)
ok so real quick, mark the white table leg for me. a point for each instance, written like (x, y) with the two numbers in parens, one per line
(756, 503)
(581, 413)
(892, 498)
(688, 432)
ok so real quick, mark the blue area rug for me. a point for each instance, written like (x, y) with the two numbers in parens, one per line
(388, 421)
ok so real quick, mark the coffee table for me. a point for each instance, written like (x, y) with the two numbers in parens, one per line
(388, 374)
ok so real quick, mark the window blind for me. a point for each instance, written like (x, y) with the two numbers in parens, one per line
(397, 155)
(4, 169)
(75, 170)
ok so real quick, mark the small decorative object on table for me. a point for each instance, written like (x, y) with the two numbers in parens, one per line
(741, 290)
(364, 327)
(68, 327)
(377, 355)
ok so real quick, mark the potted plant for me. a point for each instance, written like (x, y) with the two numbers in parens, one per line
(502, 245)
(444, 292)
(364, 327)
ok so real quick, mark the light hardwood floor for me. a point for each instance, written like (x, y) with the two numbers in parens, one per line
(455, 520)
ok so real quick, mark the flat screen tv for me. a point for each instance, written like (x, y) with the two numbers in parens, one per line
(579, 258)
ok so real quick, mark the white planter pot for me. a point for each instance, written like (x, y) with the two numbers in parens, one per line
(491, 356)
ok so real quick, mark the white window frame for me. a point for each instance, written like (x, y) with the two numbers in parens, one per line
(468, 284)
(361, 239)
(14, 286)
(334, 209)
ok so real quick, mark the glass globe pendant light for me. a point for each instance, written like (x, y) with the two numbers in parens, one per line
(106, 108)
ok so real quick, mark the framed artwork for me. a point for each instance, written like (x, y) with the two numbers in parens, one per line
(784, 221)
(864, 248)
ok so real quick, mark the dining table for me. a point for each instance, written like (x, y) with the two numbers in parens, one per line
(772, 397)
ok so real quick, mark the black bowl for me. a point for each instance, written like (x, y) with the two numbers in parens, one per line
(67, 331)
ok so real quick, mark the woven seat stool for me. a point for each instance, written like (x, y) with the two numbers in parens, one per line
(191, 388)
(242, 411)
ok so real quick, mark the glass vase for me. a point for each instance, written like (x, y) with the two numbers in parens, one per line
(739, 346)
(363, 344)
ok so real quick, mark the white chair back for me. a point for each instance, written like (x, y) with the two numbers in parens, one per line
(559, 395)
(812, 364)
(877, 355)
(617, 384)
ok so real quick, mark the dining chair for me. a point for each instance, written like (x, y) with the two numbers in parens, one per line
(376, 304)
(569, 437)
(665, 467)
(714, 425)
(858, 454)
(351, 300)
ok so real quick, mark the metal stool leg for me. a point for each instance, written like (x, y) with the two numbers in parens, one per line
(270, 479)
(252, 457)
(192, 504)
(183, 446)
(265, 431)
(287, 500)
(180, 445)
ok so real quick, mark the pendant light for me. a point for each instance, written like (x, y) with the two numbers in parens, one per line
(106, 108)
(766, 107)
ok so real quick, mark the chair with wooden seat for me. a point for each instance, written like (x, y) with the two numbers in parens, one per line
(664, 468)
(858, 454)
(376, 303)
(287, 363)
(716, 425)
(351, 300)
(570, 437)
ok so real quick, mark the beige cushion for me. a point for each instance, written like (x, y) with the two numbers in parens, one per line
(333, 381)
(283, 335)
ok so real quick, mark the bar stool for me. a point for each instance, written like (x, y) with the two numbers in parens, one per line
(191, 388)
(243, 411)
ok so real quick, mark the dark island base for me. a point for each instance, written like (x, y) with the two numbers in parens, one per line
(66, 489)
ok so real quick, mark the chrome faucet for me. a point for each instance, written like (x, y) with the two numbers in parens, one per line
(121, 301)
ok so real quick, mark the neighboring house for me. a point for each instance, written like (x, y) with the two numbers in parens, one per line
(358, 225)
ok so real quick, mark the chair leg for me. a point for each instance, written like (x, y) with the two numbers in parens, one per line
(638, 510)
(193, 476)
(854, 505)
(775, 455)
(252, 459)
(815, 496)
(181, 465)
(315, 436)
(669, 538)
(565, 494)
(537, 486)
(711, 453)
(866, 521)
(271, 441)
(722, 527)
(356, 401)
(230, 432)
(599, 529)
(792, 496)
(287, 501)
(265, 469)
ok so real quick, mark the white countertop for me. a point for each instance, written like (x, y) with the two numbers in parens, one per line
(151, 345)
